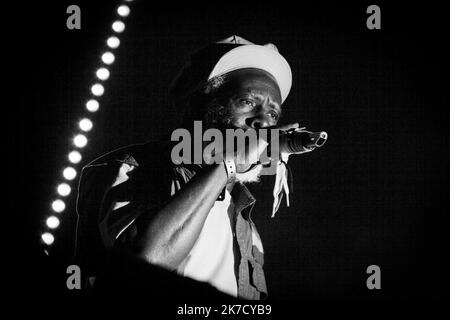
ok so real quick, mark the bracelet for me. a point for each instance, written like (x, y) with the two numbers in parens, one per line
(230, 168)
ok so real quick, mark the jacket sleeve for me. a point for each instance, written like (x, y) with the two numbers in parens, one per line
(111, 196)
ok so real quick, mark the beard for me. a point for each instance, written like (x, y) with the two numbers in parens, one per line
(219, 117)
(251, 176)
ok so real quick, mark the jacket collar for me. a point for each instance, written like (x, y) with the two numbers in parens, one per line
(242, 199)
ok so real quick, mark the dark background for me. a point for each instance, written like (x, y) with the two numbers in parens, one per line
(372, 195)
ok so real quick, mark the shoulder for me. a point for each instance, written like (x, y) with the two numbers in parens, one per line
(134, 155)
(142, 165)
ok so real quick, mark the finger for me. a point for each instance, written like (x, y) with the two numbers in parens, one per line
(289, 126)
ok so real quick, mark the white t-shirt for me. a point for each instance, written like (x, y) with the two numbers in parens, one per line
(211, 259)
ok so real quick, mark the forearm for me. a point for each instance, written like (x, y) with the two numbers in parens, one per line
(168, 238)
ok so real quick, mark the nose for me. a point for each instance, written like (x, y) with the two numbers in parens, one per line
(260, 121)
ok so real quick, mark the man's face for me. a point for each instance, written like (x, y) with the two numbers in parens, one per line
(250, 98)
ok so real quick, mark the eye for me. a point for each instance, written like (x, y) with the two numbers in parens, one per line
(274, 115)
(247, 103)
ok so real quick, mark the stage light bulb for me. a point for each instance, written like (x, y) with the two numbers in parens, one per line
(118, 26)
(102, 73)
(97, 89)
(123, 11)
(108, 57)
(80, 141)
(58, 205)
(85, 124)
(69, 173)
(48, 238)
(92, 105)
(74, 157)
(64, 189)
(113, 42)
(52, 222)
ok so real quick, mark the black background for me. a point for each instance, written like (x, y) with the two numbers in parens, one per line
(373, 194)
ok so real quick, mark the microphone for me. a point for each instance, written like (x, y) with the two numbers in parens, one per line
(300, 140)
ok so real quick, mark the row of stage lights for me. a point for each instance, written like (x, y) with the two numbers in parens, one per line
(80, 140)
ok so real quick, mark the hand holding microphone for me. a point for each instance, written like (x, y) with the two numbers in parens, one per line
(290, 140)
(264, 146)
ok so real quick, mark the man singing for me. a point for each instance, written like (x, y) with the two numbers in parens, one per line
(192, 219)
